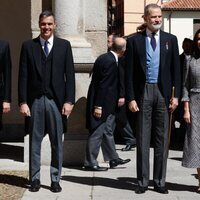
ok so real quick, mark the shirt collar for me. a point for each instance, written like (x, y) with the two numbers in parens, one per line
(50, 40)
(148, 32)
(116, 57)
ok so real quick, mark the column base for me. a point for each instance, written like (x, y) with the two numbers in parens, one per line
(74, 147)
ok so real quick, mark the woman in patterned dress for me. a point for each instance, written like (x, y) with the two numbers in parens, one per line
(191, 99)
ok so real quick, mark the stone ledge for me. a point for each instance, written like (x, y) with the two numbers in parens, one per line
(83, 67)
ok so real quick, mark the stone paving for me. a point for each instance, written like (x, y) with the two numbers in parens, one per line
(114, 184)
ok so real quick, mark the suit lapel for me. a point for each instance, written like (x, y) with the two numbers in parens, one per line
(141, 45)
(55, 55)
(142, 49)
(112, 56)
(164, 45)
(37, 55)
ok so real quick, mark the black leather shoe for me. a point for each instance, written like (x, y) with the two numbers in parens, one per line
(162, 190)
(141, 190)
(119, 161)
(55, 187)
(95, 168)
(128, 147)
(35, 186)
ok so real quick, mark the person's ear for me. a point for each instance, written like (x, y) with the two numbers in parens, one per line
(145, 19)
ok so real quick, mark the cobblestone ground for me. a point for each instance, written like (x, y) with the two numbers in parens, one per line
(12, 184)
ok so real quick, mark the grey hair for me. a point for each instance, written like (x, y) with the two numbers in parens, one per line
(118, 46)
(148, 7)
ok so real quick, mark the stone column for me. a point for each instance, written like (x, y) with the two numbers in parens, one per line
(36, 9)
(70, 22)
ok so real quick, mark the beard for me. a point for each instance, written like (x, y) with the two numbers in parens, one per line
(156, 26)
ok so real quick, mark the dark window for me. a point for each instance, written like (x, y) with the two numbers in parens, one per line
(196, 25)
(116, 17)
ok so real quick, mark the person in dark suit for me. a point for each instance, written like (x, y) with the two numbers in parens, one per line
(46, 95)
(102, 101)
(5, 79)
(187, 49)
(123, 115)
(179, 112)
(153, 68)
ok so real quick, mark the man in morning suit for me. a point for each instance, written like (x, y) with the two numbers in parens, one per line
(102, 101)
(123, 115)
(5, 79)
(46, 95)
(152, 63)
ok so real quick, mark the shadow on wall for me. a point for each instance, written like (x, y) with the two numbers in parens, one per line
(77, 119)
(76, 137)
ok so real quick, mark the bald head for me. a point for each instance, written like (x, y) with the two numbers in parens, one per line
(119, 46)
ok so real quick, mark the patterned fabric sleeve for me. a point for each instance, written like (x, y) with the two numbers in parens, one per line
(186, 80)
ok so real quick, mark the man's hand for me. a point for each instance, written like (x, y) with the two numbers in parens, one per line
(121, 102)
(6, 107)
(24, 109)
(97, 112)
(133, 107)
(67, 109)
(173, 104)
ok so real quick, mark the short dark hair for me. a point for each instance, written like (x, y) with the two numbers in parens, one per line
(187, 40)
(195, 49)
(46, 13)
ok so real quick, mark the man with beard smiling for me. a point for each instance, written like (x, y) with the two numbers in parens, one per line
(152, 63)
(46, 95)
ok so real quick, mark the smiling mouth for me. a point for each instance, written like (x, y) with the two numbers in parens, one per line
(47, 31)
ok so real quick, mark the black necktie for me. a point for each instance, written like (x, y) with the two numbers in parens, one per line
(153, 41)
(46, 49)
